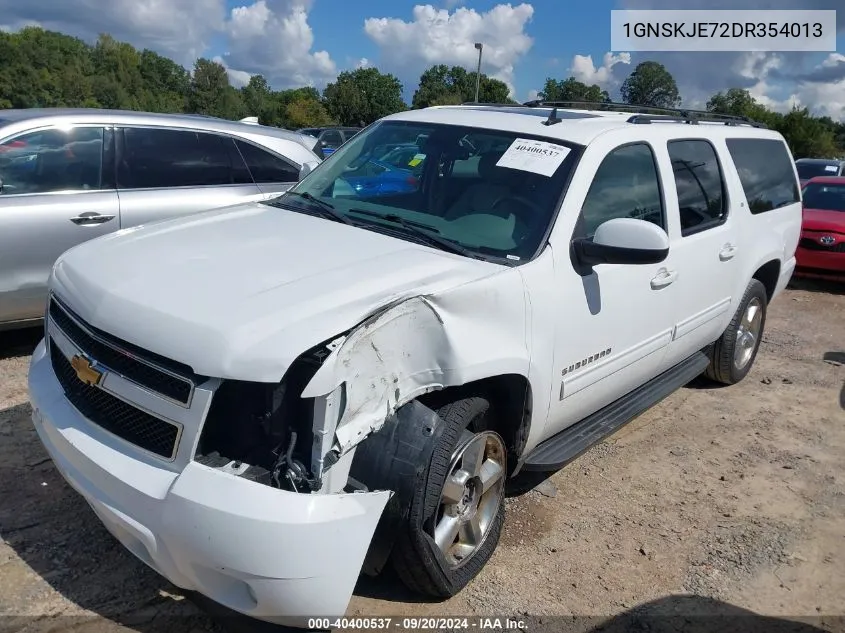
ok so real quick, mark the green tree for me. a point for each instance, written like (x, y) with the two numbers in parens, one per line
(117, 81)
(166, 84)
(808, 137)
(572, 90)
(442, 85)
(739, 102)
(259, 100)
(210, 92)
(359, 97)
(650, 84)
(306, 112)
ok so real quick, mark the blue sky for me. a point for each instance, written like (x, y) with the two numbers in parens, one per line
(307, 42)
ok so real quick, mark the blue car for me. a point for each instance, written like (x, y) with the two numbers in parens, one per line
(394, 172)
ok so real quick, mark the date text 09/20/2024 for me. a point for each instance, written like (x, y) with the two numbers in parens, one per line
(419, 623)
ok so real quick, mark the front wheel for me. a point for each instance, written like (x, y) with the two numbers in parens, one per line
(733, 355)
(455, 519)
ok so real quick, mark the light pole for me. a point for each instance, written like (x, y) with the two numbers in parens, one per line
(479, 46)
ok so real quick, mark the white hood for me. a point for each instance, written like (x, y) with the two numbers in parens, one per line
(241, 292)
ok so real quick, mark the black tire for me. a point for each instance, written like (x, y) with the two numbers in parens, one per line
(415, 557)
(722, 368)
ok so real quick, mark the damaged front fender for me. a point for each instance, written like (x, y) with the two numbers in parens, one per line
(397, 355)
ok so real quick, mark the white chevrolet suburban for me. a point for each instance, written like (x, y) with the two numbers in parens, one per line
(265, 401)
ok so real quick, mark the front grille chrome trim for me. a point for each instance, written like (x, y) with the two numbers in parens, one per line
(186, 403)
(55, 347)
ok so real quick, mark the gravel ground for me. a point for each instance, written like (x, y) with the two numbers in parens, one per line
(730, 498)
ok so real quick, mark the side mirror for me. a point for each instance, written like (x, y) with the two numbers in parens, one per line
(623, 241)
(307, 167)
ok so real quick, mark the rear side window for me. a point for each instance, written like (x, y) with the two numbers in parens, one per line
(701, 188)
(266, 167)
(766, 173)
(160, 158)
(332, 138)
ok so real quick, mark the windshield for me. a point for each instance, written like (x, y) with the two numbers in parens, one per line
(811, 170)
(828, 197)
(490, 193)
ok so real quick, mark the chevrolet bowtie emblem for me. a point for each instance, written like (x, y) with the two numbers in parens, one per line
(85, 371)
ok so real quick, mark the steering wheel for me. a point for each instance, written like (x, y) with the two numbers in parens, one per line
(523, 228)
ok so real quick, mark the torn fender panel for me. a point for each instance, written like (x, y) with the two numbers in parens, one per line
(392, 358)
(423, 344)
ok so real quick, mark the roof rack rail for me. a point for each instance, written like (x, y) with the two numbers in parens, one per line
(648, 114)
(495, 105)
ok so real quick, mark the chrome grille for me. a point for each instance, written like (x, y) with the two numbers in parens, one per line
(113, 414)
(813, 245)
(153, 375)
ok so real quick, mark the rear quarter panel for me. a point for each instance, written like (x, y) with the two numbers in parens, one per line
(767, 236)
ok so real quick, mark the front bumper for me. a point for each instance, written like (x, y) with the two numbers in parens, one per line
(821, 262)
(270, 554)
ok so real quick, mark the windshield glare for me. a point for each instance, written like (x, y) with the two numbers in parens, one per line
(484, 190)
(827, 197)
(811, 170)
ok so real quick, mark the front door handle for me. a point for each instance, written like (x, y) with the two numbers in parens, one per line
(90, 217)
(664, 278)
(727, 252)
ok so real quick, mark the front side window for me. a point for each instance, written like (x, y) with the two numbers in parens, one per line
(483, 193)
(765, 172)
(626, 185)
(55, 159)
(829, 197)
(701, 190)
(164, 158)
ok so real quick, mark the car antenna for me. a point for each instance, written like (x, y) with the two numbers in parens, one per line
(553, 118)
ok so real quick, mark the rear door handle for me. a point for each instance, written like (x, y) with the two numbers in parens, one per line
(664, 278)
(90, 217)
(727, 252)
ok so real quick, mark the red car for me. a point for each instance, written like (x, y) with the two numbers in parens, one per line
(821, 251)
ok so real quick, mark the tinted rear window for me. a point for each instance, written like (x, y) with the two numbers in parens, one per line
(165, 158)
(811, 170)
(766, 173)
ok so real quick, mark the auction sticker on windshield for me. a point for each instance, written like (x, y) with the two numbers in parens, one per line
(538, 157)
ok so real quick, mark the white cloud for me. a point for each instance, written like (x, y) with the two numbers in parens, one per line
(363, 63)
(821, 89)
(238, 78)
(585, 71)
(533, 94)
(436, 36)
(180, 29)
(273, 38)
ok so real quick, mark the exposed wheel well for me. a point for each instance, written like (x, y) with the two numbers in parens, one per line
(511, 404)
(768, 275)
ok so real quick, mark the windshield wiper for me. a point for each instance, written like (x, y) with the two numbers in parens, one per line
(424, 231)
(326, 210)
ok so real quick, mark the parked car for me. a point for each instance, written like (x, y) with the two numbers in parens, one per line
(299, 390)
(67, 176)
(386, 171)
(821, 251)
(330, 137)
(811, 167)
